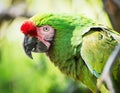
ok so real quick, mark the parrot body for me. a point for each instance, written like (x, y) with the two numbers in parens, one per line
(76, 44)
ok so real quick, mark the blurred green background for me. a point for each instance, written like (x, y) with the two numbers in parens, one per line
(20, 74)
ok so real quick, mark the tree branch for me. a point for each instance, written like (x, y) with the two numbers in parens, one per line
(112, 8)
(105, 77)
(14, 11)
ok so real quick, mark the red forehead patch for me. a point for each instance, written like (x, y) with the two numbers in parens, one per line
(28, 28)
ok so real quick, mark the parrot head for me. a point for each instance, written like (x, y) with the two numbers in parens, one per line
(45, 32)
(37, 38)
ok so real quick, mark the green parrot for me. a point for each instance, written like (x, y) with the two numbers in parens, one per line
(77, 45)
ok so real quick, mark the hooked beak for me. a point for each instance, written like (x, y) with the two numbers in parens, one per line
(32, 44)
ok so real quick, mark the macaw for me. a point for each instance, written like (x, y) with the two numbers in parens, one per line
(77, 45)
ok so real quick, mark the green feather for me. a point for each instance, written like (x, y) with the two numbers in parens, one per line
(81, 47)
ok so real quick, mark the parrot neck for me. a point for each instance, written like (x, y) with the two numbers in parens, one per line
(72, 65)
(62, 51)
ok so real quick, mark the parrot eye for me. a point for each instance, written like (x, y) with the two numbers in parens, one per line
(46, 28)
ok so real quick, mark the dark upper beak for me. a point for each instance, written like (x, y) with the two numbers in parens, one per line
(32, 44)
(28, 44)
